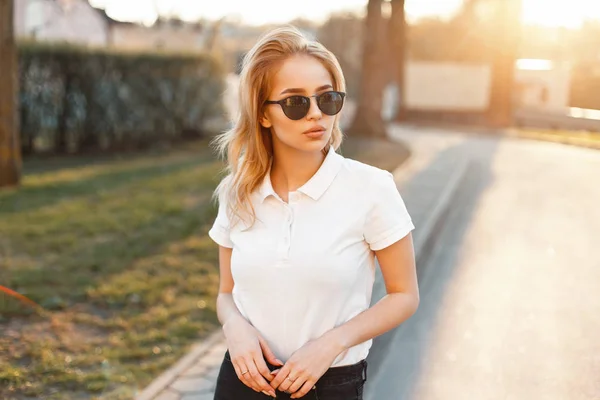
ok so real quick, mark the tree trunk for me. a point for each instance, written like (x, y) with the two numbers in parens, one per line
(367, 120)
(26, 137)
(10, 152)
(398, 55)
(89, 140)
(506, 46)
(60, 143)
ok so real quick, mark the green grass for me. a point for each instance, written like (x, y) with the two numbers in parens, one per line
(115, 251)
(575, 138)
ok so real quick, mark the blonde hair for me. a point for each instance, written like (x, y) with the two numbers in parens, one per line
(247, 146)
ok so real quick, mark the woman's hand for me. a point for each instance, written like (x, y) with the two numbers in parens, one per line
(248, 351)
(305, 367)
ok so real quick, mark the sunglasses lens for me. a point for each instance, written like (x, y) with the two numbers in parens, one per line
(296, 107)
(331, 102)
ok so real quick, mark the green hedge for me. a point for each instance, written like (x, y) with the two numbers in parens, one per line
(75, 99)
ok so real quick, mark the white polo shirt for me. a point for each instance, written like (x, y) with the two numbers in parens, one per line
(308, 265)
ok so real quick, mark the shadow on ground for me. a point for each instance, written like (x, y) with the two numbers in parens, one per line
(395, 360)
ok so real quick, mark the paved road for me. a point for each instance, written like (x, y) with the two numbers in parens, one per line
(510, 303)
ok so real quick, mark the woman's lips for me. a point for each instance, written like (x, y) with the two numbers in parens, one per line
(315, 134)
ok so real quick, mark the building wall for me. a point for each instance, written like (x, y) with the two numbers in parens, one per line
(545, 89)
(75, 22)
(19, 17)
(432, 86)
(455, 87)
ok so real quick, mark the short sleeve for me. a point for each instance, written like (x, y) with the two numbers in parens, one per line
(220, 231)
(387, 220)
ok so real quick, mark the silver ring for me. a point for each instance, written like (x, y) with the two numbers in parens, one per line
(288, 378)
(244, 372)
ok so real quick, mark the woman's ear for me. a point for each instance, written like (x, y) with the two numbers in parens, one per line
(264, 121)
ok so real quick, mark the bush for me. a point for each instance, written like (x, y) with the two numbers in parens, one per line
(75, 99)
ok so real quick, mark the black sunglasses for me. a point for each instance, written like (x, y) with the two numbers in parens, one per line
(296, 107)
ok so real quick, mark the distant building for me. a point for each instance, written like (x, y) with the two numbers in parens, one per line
(73, 21)
(542, 84)
(460, 87)
(76, 21)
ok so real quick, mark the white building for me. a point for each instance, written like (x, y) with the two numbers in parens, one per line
(73, 21)
(460, 87)
(76, 21)
(543, 85)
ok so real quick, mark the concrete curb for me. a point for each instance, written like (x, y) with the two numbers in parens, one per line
(432, 226)
(169, 376)
(424, 240)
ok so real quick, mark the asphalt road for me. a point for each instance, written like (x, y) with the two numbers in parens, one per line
(510, 298)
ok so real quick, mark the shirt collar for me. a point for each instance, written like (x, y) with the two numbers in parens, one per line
(266, 188)
(317, 184)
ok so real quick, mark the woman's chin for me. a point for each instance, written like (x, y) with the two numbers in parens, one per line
(315, 144)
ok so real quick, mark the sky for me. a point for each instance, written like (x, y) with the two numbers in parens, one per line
(569, 13)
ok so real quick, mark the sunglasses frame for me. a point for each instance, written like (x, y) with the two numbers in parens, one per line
(316, 96)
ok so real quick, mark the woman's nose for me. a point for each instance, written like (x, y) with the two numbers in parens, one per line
(314, 112)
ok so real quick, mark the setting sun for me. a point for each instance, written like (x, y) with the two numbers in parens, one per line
(560, 13)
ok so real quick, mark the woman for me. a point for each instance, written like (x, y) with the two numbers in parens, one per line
(298, 229)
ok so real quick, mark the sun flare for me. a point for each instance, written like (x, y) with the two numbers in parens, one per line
(540, 12)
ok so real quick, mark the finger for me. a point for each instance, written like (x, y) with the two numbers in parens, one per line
(262, 368)
(286, 384)
(297, 384)
(308, 385)
(281, 375)
(243, 374)
(258, 379)
(269, 355)
(238, 369)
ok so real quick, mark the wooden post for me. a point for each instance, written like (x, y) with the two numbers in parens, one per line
(10, 149)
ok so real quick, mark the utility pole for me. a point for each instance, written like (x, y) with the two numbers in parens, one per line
(10, 149)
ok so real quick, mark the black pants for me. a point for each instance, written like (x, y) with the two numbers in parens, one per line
(338, 383)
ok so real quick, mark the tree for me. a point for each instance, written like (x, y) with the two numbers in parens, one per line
(397, 29)
(10, 156)
(367, 120)
(506, 46)
(342, 33)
